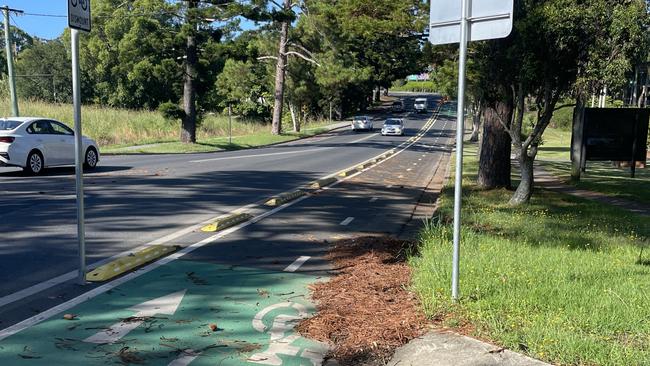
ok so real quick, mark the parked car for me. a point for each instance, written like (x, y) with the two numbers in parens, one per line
(420, 105)
(393, 126)
(362, 123)
(35, 143)
(398, 106)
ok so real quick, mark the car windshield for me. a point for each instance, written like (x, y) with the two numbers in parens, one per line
(7, 125)
(392, 122)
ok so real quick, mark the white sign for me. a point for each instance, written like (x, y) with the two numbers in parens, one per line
(79, 14)
(488, 19)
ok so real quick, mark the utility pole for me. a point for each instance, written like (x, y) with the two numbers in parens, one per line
(10, 60)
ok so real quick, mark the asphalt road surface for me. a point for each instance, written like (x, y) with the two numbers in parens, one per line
(139, 199)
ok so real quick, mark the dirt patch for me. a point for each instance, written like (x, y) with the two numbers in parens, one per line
(365, 311)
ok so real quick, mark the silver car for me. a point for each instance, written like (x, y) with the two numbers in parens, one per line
(393, 126)
(362, 123)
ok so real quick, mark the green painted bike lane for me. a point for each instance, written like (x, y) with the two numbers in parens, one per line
(168, 317)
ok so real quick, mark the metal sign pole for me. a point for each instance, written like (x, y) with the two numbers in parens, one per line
(460, 129)
(79, 158)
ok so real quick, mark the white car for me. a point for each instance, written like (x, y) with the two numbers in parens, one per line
(35, 143)
(420, 105)
(362, 123)
(393, 126)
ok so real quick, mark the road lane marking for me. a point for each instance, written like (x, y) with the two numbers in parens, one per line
(166, 305)
(374, 199)
(39, 287)
(297, 263)
(185, 358)
(363, 138)
(262, 155)
(347, 221)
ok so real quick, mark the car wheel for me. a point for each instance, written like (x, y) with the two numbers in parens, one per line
(90, 161)
(35, 163)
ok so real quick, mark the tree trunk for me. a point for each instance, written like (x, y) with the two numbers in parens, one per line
(296, 124)
(525, 189)
(280, 75)
(377, 94)
(494, 159)
(188, 124)
(576, 137)
(476, 124)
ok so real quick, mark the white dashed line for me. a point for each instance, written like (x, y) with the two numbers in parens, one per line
(347, 221)
(374, 199)
(297, 263)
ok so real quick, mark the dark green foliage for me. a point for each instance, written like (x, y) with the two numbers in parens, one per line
(171, 111)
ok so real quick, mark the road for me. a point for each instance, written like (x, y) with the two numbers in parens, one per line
(139, 199)
(250, 281)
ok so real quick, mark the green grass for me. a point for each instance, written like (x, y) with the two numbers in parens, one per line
(415, 86)
(218, 143)
(559, 279)
(114, 128)
(600, 176)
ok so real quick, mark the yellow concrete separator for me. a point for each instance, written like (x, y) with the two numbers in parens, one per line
(347, 173)
(323, 182)
(363, 166)
(131, 261)
(284, 198)
(226, 222)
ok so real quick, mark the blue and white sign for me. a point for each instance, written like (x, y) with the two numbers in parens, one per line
(79, 14)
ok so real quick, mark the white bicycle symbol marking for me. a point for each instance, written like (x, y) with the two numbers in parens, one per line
(280, 343)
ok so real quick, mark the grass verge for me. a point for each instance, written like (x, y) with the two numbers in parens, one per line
(561, 279)
(117, 129)
(216, 143)
(599, 177)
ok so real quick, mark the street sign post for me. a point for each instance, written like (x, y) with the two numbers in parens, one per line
(78, 19)
(462, 21)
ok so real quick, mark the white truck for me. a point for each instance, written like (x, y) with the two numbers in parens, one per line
(420, 105)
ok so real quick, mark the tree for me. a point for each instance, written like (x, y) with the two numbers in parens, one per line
(44, 72)
(540, 62)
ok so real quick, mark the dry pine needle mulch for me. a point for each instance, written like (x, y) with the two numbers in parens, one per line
(365, 311)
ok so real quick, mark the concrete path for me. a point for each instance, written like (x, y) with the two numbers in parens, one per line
(442, 348)
(549, 181)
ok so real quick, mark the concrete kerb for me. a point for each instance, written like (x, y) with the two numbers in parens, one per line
(124, 264)
(226, 222)
(284, 198)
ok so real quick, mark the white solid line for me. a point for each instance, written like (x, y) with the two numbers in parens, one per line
(297, 263)
(363, 138)
(373, 199)
(347, 221)
(32, 290)
(258, 155)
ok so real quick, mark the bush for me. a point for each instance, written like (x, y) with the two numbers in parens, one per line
(171, 111)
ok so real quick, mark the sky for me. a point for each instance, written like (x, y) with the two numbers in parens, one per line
(35, 23)
(40, 26)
